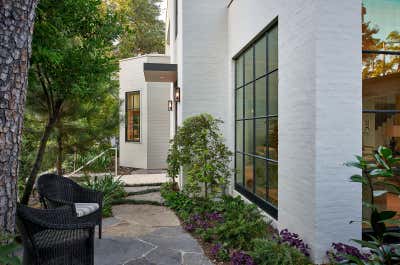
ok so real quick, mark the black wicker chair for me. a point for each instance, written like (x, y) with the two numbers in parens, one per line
(56, 191)
(55, 237)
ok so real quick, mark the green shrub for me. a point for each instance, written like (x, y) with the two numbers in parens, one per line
(237, 233)
(378, 175)
(242, 223)
(270, 252)
(112, 188)
(177, 201)
(8, 247)
(198, 147)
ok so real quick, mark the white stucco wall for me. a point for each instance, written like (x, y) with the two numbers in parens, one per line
(151, 151)
(319, 100)
(131, 78)
(158, 119)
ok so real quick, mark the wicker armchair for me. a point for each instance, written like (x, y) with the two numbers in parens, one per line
(55, 237)
(57, 191)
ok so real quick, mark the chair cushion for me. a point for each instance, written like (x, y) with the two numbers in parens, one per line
(83, 209)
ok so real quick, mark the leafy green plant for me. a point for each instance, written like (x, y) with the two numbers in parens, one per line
(177, 201)
(270, 252)
(8, 247)
(219, 252)
(238, 233)
(378, 173)
(112, 188)
(231, 225)
(242, 223)
(198, 147)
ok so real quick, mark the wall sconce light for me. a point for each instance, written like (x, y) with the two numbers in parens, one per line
(170, 105)
(177, 94)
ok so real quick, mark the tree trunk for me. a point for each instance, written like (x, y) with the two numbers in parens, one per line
(16, 28)
(38, 161)
(59, 154)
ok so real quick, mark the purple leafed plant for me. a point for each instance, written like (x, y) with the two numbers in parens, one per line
(339, 251)
(189, 227)
(208, 220)
(215, 216)
(215, 249)
(295, 241)
(241, 258)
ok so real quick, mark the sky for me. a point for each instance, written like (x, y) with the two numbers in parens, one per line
(385, 14)
(163, 7)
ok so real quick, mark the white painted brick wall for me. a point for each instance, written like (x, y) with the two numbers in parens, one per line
(204, 83)
(319, 100)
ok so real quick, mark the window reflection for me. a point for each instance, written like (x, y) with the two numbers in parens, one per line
(381, 24)
(257, 121)
(381, 87)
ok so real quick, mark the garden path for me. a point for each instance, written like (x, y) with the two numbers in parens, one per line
(146, 235)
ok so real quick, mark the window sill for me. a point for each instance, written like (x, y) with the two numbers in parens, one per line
(265, 206)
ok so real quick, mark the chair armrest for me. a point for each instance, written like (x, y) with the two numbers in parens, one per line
(89, 195)
(60, 203)
(62, 218)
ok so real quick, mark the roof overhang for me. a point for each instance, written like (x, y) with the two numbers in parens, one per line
(160, 72)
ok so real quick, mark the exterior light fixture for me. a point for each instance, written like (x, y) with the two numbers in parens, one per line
(170, 105)
(177, 94)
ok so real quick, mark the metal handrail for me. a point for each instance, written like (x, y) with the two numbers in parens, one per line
(97, 157)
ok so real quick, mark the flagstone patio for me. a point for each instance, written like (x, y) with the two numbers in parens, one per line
(146, 235)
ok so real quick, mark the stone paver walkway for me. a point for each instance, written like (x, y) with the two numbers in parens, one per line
(144, 178)
(146, 235)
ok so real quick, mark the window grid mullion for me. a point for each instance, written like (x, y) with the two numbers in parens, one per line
(259, 157)
(258, 78)
(236, 122)
(249, 151)
(267, 120)
(244, 124)
(254, 123)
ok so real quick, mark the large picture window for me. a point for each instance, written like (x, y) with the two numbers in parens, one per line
(256, 148)
(132, 124)
(381, 88)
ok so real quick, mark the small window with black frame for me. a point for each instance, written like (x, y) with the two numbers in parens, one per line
(132, 124)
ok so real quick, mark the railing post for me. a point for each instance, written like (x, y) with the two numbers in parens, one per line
(116, 162)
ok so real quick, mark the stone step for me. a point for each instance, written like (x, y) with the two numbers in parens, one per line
(154, 196)
(143, 188)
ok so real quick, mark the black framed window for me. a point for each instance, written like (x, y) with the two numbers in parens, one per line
(132, 114)
(256, 121)
(381, 88)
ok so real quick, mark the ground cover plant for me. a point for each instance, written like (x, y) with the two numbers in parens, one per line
(8, 248)
(235, 232)
(112, 188)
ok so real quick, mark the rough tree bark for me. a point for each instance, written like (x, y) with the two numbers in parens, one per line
(16, 28)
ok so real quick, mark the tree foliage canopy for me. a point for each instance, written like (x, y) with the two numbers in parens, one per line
(143, 31)
(73, 73)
